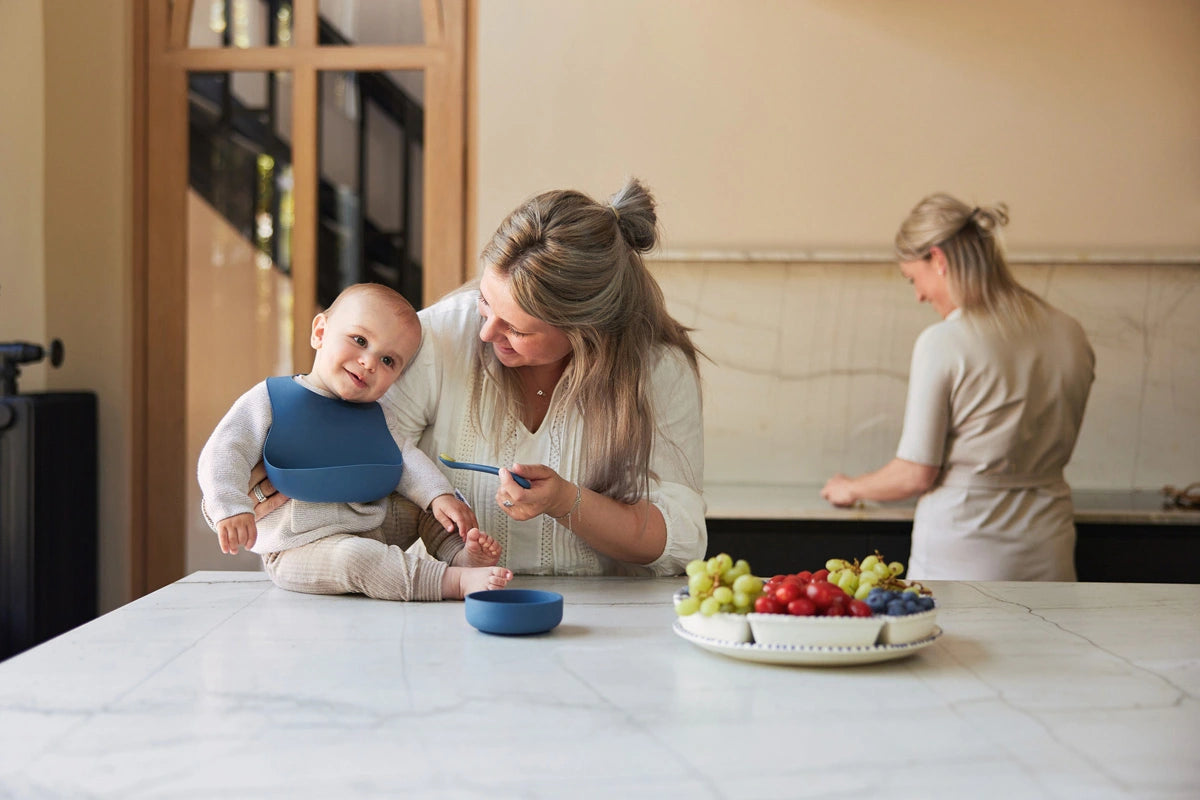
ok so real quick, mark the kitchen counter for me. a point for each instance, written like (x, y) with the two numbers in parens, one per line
(222, 685)
(804, 502)
(1122, 536)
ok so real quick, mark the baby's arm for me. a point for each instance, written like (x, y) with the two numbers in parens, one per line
(237, 531)
(234, 447)
(426, 485)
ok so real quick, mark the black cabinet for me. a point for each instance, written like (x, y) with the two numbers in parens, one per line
(1105, 552)
(48, 516)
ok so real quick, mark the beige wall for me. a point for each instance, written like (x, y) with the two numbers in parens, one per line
(815, 124)
(786, 140)
(88, 241)
(65, 191)
(22, 157)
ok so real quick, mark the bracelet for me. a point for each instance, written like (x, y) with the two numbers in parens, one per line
(574, 506)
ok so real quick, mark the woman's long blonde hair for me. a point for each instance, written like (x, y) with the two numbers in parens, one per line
(576, 264)
(981, 283)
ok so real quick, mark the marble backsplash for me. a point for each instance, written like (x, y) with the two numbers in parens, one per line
(809, 366)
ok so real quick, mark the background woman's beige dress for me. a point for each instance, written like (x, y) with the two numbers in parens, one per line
(1000, 416)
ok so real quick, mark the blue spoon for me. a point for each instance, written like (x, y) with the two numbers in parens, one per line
(452, 464)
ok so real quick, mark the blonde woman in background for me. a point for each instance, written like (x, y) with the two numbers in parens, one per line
(562, 365)
(996, 396)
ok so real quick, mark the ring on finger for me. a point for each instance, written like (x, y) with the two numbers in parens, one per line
(258, 493)
(508, 504)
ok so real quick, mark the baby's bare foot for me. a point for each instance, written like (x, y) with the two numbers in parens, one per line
(459, 582)
(480, 550)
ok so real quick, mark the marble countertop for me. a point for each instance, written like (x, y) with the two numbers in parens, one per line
(803, 501)
(222, 685)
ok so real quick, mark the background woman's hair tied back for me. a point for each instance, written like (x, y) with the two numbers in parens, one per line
(989, 219)
(981, 283)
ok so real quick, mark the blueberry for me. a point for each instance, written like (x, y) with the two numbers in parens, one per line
(895, 608)
(926, 603)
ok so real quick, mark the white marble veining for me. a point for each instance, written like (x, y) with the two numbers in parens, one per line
(222, 685)
(809, 366)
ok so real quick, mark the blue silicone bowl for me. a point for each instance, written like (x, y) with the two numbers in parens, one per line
(513, 612)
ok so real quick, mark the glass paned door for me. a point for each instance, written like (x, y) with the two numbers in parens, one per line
(239, 293)
(372, 146)
(268, 176)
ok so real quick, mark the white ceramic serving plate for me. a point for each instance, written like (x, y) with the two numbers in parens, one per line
(805, 656)
(727, 627)
(908, 628)
(789, 631)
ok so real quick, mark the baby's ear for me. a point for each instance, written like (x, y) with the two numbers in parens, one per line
(318, 331)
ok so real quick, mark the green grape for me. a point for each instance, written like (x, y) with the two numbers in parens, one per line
(695, 567)
(869, 563)
(748, 584)
(848, 582)
(835, 564)
(868, 579)
(896, 568)
(862, 591)
(723, 594)
(713, 567)
(728, 577)
(741, 567)
(742, 600)
(709, 606)
(687, 606)
(700, 585)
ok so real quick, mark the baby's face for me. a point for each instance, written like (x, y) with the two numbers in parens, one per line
(362, 348)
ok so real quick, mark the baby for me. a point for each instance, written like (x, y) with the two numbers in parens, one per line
(331, 543)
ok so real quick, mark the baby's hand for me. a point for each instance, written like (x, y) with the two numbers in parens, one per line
(454, 515)
(237, 531)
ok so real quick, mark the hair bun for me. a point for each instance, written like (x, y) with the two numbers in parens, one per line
(633, 208)
(989, 218)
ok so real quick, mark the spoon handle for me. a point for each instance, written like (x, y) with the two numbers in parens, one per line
(449, 462)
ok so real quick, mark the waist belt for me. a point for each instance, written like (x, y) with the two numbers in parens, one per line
(961, 477)
(326, 450)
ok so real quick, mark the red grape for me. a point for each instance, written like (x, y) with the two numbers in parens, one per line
(787, 592)
(801, 607)
(859, 609)
(765, 604)
(822, 593)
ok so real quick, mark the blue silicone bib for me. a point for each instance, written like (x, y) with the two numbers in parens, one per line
(326, 450)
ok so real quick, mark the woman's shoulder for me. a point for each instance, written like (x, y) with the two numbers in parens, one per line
(949, 332)
(667, 359)
(459, 304)
(455, 317)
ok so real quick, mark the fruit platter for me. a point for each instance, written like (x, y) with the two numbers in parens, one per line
(846, 612)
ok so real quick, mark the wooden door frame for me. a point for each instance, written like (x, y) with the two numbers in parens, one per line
(162, 61)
